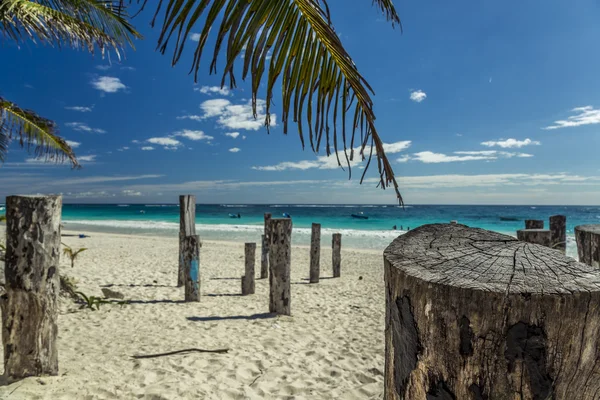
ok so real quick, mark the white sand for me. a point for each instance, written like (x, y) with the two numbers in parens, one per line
(331, 348)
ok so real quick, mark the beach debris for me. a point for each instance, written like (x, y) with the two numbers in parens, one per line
(315, 253)
(279, 260)
(248, 278)
(91, 301)
(112, 294)
(336, 257)
(171, 353)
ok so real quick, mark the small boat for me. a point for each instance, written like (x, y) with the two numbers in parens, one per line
(142, 212)
(286, 215)
(359, 216)
(234, 215)
(509, 219)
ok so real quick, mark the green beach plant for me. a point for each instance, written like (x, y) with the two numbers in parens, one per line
(79, 24)
(72, 253)
(295, 44)
(91, 301)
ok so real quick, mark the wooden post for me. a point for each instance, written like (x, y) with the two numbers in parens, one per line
(558, 232)
(534, 224)
(187, 227)
(264, 258)
(191, 262)
(29, 306)
(536, 236)
(588, 244)
(248, 278)
(467, 317)
(280, 255)
(315, 253)
(336, 256)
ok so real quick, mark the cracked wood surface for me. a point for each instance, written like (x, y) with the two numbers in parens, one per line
(481, 315)
(187, 227)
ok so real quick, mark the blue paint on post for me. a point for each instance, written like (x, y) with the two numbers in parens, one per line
(194, 269)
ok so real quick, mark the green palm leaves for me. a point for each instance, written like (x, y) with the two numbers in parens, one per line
(72, 253)
(294, 43)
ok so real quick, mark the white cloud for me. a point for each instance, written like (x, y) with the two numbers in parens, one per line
(430, 157)
(403, 159)
(233, 116)
(193, 135)
(244, 137)
(108, 84)
(195, 37)
(235, 150)
(233, 134)
(511, 143)
(224, 91)
(325, 162)
(584, 116)
(418, 96)
(83, 127)
(128, 68)
(103, 179)
(147, 148)
(123, 148)
(90, 158)
(103, 67)
(130, 193)
(73, 144)
(135, 141)
(79, 108)
(167, 142)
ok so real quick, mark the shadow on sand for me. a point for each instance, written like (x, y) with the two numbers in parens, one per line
(233, 317)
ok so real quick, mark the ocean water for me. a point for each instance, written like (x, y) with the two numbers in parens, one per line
(213, 221)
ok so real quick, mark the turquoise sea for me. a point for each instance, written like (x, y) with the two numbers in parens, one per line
(214, 223)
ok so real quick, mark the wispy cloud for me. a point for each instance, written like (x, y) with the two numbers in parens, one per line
(430, 157)
(583, 116)
(83, 127)
(235, 150)
(511, 143)
(79, 108)
(325, 162)
(223, 91)
(147, 148)
(233, 116)
(167, 142)
(193, 135)
(90, 158)
(233, 134)
(130, 193)
(104, 179)
(195, 37)
(418, 96)
(124, 148)
(127, 68)
(103, 67)
(73, 144)
(489, 180)
(108, 84)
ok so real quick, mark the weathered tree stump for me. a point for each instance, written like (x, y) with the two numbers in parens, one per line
(315, 253)
(187, 227)
(336, 255)
(473, 314)
(267, 243)
(534, 224)
(264, 258)
(535, 236)
(588, 244)
(280, 256)
(29, 306)
(558, 232)
(248, 278)
(191, 265)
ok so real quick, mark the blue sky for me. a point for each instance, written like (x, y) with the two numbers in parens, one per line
(486, 103)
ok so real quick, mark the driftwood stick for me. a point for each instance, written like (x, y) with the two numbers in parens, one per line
(171, 353)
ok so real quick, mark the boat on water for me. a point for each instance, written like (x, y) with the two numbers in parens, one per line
(234, 215)
(509, 219)
(359, 216)
(286, 215)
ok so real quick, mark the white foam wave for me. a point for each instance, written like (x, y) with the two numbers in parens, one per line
(234, 205)
(161, 205)
(123, 205)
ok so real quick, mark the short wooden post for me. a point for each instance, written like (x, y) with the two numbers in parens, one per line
(336, 256)
(187, 227)
(536, 236)
(280, 255)
(248, 278)
(588, 244)
(558, 232)
(315, 253)
(264, 258)
(534, 224)
(191, 262)
(29, 306)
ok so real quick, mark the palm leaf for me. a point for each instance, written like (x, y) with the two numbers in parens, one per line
(29, 129)
(294, 42)
(78, 23)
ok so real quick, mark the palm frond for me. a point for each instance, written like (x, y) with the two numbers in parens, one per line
(294, 42)
(77, 23)
(31, 130)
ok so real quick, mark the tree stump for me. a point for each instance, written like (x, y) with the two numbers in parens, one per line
(588, 244)
(535, 236)
(473, 314)
(336, 255)
(29, 306)
(558, 232)
(264, 257)
(248, 278)
(280, 255)
(534, 224)
(187, 227)
(315, 253)
(191, 263)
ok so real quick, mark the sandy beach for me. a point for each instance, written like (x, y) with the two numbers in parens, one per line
(331, 347)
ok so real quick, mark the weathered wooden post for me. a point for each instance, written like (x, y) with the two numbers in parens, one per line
(248, 278)
(29, 306)
(264, 258)
(187, 227)
(534, 224)
(315, 253)
(336, 255)
(558, 232)
(280, 256)
(536, 236)
(191, 263)
(588, 244)
(468, 318)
